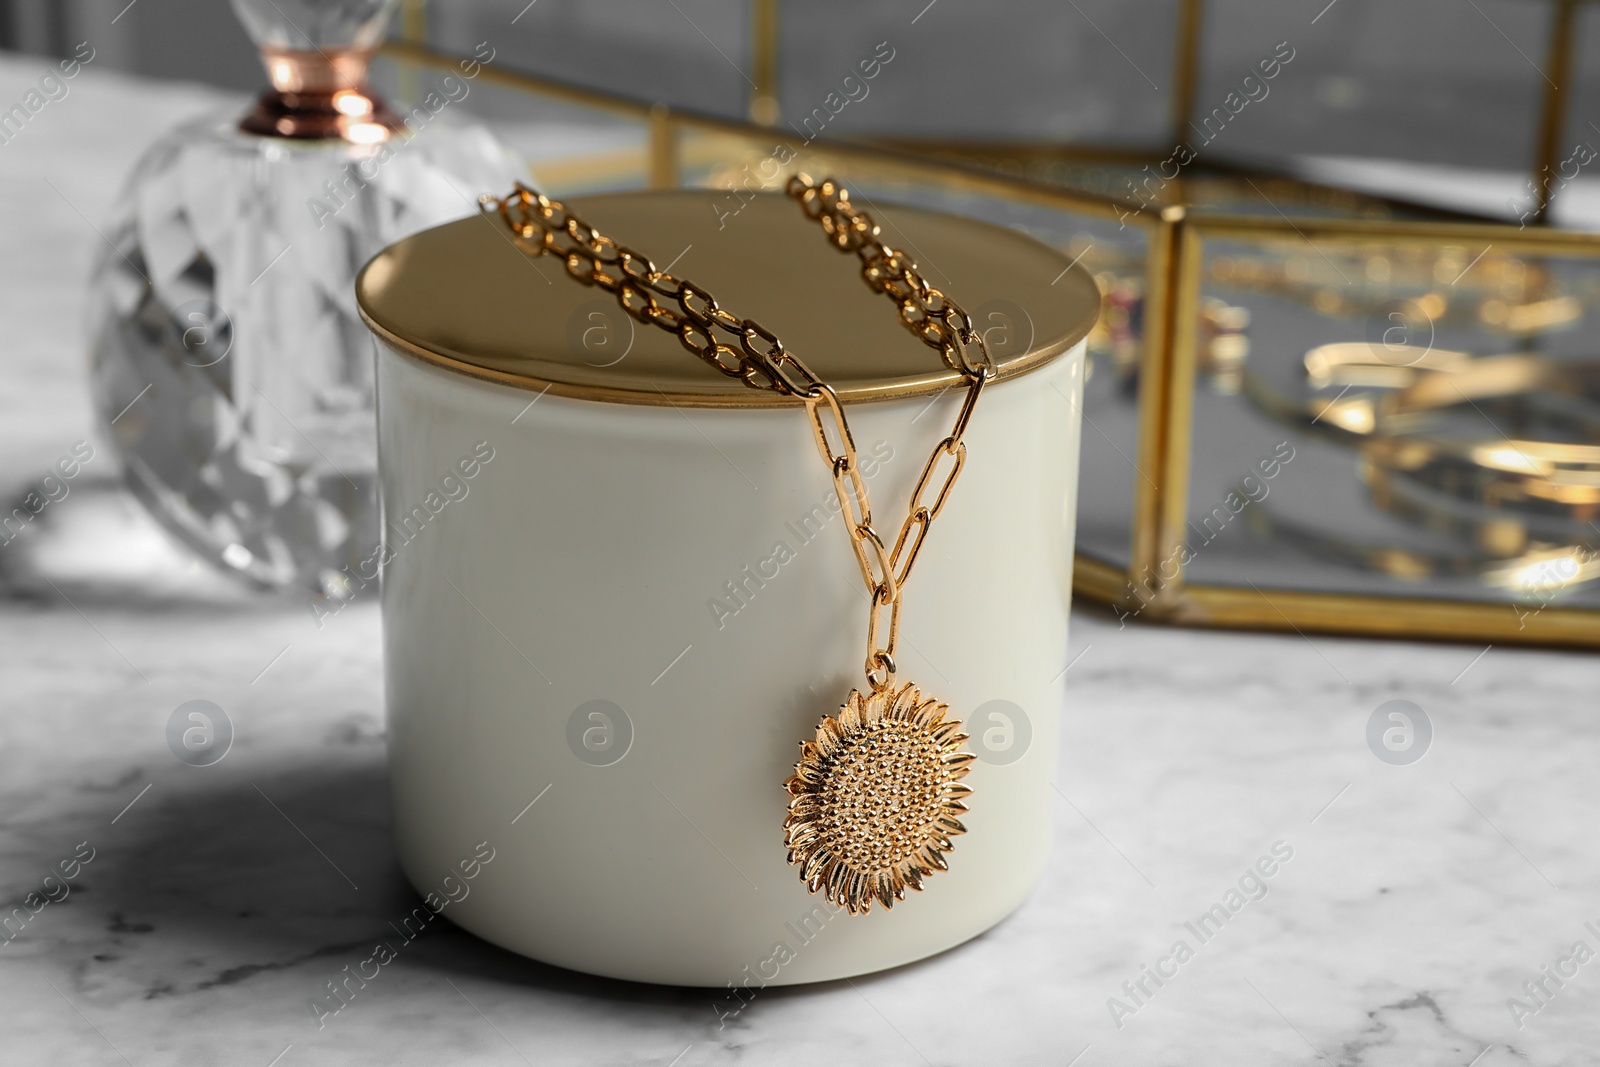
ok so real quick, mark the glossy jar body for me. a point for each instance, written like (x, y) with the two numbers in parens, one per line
(608, 626)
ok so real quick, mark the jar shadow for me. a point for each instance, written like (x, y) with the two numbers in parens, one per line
(241, 875)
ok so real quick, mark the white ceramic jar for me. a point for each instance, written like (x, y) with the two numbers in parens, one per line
(617, 590)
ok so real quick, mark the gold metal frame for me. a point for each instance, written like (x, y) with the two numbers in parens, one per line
(1559, 70)
(1176, 240)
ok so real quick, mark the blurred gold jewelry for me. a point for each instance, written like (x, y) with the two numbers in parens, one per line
(1534, 571)
(1497, 292)
(1451, 501)
(1433, 457)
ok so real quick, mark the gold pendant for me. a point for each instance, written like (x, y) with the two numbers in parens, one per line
(874, 799)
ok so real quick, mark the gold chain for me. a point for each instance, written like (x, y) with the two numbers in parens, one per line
(542, 226)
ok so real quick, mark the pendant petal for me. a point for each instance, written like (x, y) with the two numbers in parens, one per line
(884, 891)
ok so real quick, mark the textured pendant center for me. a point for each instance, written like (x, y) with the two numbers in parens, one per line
(882, 795)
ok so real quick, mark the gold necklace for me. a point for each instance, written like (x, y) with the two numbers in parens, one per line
(876, 796)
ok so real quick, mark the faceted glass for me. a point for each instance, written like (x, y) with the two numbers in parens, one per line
(229, 363)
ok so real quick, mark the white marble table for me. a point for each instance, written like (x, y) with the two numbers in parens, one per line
(220, 900)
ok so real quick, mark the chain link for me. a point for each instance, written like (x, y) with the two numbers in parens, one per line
(542, 226)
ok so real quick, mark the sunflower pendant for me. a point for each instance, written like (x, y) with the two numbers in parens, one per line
(874, 799)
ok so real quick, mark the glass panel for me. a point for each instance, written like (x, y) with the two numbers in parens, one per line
(1397, 420)
(1110, 469)
(1432, 81)
(691, 54)
(569, 148)
(1576, 182)
(1097, 71)
(1093, 71)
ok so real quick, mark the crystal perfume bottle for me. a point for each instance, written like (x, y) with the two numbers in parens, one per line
(229, 365)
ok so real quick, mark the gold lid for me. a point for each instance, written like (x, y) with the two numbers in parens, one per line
(463, 297)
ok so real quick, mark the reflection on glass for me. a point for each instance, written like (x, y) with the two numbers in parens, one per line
(1444, 413)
